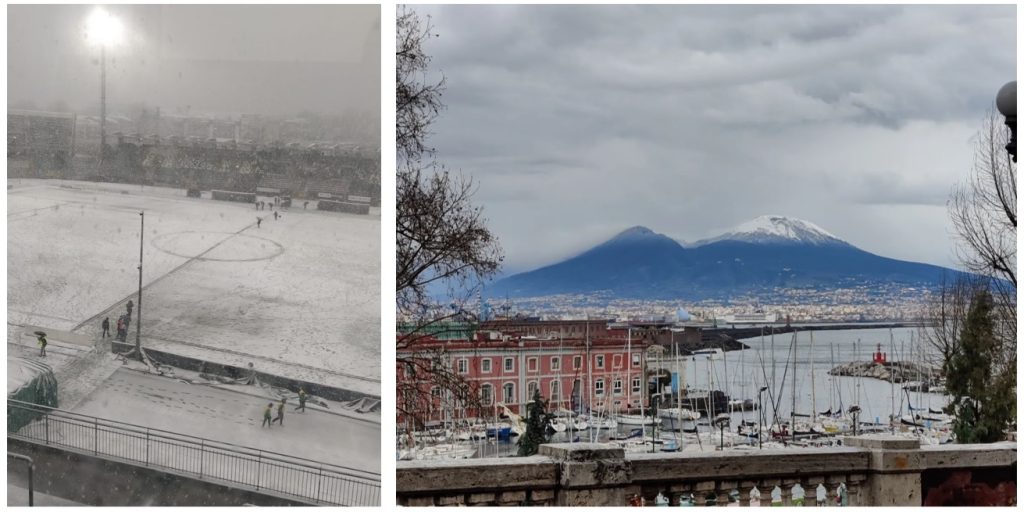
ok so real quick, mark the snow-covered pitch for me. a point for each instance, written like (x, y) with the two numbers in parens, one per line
(298, 296)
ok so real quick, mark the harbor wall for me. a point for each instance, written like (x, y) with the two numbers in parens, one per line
(866, 471)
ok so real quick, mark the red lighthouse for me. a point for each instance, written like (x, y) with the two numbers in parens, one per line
(879, 356)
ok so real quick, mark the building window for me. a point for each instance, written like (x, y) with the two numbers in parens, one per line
(509, 364)
(485, 365)
(531, 364)
(599, 361)
(556, 392)
(556, 364)
(531, 389)
(636, 359)
(463, 366)
(617, 361)
(599, 387)
(577, 362)
(636, 384)
(486, 392)
(617, 387)
(509, 393)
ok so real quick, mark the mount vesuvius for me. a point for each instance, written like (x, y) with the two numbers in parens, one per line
(767, 253)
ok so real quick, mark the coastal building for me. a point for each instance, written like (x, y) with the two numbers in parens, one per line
(589, 366)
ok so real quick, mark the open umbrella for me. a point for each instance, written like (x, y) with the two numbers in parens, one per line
(39, 333)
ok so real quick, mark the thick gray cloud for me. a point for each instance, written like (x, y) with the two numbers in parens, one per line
(579, 121)
(262, 59)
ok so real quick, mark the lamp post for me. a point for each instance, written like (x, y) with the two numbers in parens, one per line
(721, 421)
(105, 30)
(138, 319)
(1006, 102)
(760, 416)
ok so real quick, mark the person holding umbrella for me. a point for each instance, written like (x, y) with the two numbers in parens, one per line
(41, 336)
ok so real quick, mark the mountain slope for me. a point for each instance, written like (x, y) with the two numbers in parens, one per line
(767, 253)
(628, 263)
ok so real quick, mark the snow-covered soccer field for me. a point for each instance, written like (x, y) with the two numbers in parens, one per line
(298, 296)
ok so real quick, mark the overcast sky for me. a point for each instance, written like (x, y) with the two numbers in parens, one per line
(580, 121)
(262, 59)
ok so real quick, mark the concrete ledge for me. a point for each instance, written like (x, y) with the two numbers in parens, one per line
(601, 475)
(653, 467)
(577, 452)
(474, 475)
(969, 455)
(882, 442)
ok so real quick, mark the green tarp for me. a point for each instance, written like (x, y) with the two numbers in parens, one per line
(32, 382)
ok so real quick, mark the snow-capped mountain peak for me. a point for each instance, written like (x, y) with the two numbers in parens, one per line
(777, 229)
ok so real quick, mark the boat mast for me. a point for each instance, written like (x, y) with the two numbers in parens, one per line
(743, 409)
(831, 379)
(792, 425)
(814, 400)
(892, 381)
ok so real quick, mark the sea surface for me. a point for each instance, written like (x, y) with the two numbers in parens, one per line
(775, 361)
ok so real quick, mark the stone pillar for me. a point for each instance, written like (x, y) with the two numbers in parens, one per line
(701, 491)
(591, 474)
(853, 489)
(832, 489)
(810, 485)
(745, 486)
(786, 486)
(766, 488)
(895, 471)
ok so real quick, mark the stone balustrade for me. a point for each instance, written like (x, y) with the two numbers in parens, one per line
(866, 471)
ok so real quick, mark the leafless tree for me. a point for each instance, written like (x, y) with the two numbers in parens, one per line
(984, 213)
(947, 313)
(418, 98)
(984, 209)
(443, 244)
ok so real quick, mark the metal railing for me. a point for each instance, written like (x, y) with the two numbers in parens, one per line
(307, 480)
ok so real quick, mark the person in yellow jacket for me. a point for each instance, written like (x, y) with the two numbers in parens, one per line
(266, 416)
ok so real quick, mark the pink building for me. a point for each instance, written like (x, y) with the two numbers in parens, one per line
(507, 368)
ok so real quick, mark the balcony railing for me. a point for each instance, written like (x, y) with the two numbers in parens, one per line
(306, 480)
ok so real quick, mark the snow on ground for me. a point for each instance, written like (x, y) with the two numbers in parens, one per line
(18, 497)
(300, 294)
(232, 417)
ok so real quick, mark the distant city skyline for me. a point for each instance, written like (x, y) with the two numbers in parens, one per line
(577, 122)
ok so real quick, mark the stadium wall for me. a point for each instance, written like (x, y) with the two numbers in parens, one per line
(235, 372)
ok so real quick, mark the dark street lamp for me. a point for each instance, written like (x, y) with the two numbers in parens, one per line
(1006, 102)
(760, 416)
(722, 421)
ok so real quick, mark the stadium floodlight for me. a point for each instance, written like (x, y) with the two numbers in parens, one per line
(103, 28)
